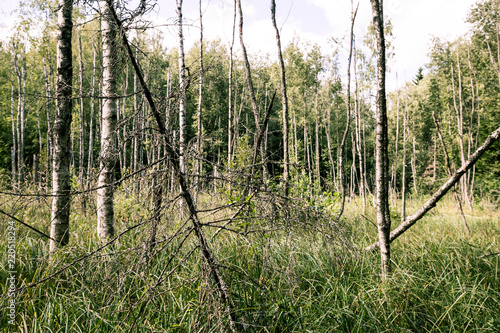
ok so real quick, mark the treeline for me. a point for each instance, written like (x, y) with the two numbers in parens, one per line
(460, 87)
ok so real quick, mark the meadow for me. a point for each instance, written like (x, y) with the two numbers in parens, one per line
(293, 278)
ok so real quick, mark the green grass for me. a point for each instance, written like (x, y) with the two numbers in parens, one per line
(288, 280)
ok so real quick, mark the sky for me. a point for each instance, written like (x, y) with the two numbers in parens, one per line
(317, 21)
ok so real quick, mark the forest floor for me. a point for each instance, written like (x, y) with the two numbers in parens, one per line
(281, 280)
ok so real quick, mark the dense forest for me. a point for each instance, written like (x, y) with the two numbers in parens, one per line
(150, 188)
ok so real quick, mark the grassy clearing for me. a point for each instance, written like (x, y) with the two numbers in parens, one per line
(287, 280)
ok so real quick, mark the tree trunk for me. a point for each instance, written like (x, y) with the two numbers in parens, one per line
(199, 164)
(403, 176)
(81, 147)
(230, 92)
(459, 114)
(49, 118)
(59, 231)
(348, 118)
(284, 100)
(21, 83)
(182, 92)
(126, 124)
(108, 154)
(359, 144)
(251, 88)
(395, 165)
(14, 130)
(317, 147)
(413, 163)
(135, 126)
(92, 112)
(470, 173)
(381, 144)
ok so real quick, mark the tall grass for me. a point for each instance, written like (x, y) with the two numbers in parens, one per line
(286, 280)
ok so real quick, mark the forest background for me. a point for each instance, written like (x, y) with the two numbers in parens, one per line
(281, 193)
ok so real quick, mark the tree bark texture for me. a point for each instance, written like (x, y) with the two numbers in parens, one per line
(199, 164)
(182, 96)
(59, 231)
(49, 116)
(284, 99)
(14, 131)
(381, 144)
(108, 154)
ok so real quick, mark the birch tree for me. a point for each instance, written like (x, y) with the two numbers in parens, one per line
(59, 231)
(105, 212)
(284, 99)
(348, 120)
(381, 150)
(182, 96)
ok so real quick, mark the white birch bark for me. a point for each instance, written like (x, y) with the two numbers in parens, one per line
(105, 212)
(381, 144)
(182, 94)
(49, 116)
(59, 231)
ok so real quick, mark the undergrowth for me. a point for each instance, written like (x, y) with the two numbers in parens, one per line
(282, 279)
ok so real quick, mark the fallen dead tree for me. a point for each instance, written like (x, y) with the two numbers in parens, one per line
(431, 203)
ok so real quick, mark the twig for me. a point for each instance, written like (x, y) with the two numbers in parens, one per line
(489, 255)
(25, 224)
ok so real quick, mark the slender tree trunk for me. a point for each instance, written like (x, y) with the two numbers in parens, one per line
(403, 176)
(296, 139)
(14, 130)
(125, 124)
(434, 160)
(317, 153)
(459, 114)
(470, 173)
(230, 92)
(182, 87)
(251, 88)
(108, 154)
(135, 126)
(21, 83)
(413, 163)
(199, 164)
(348, 118)
(81, 148)
(92, 111)
(353, 167)
(357, 111)
(40, 144)
(49, 118)
(329, 143)
(284, 99)
(59, 231)
(381, 144)
(395, 165)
